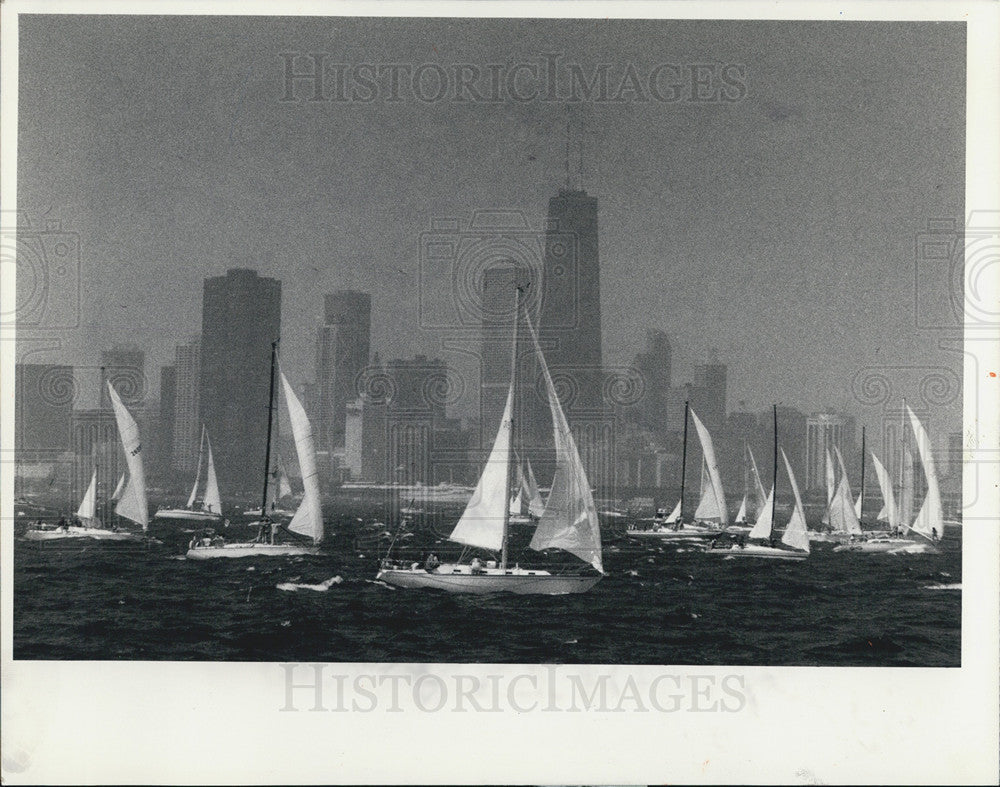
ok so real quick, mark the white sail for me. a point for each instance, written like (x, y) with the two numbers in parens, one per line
(517, 502)
(888, 512)
(536, 507)
(708, 506)
(906, 488)
(88, 506)
(713, 471)
(762, 527)
(843, 517)
(119, 489)
(831, 487)
(857, 506)
(930, 519)
(308, 519)
(570, 519)
(674, 515)
(284, 487)
(212, 501)
(481, 524)
(197, 473)
(795, 534)
(760, 496)
(741, 515)
(132, 504)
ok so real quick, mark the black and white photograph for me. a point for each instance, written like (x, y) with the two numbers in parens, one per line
(502, 359)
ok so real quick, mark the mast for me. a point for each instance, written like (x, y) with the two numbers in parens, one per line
(861, 508)
(774, 468)
(684, 451)
(510, 451)
(510, 443)
(746, 475)
(101, 447)
(267, 449)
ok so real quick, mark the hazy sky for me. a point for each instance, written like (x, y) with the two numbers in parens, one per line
(779, 228)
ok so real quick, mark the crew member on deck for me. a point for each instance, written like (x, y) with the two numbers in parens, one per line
(431, 563)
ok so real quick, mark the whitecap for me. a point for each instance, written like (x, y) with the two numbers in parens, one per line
(322, 587)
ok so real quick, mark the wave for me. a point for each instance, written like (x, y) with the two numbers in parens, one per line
(322, 587)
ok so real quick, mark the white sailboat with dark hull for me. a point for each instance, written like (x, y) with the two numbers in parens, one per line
(569, 521)
(307, 523)
(927, 528)
(710, 516)
(131, 497)
(759, 543)
(210, 508)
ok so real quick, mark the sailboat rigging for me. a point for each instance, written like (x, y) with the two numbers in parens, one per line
(210, 509)
(568, 522)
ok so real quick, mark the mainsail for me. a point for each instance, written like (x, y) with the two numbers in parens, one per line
(212, 501)
(857, 506)
(708, 506)
(570, 518)
(132, 504)
(795, 534)
(481, 524)
(760, 496)
(762, 527)
(930, 519)
(741, 515)
(906, 487)
(843, 516)
(284, 487)
(197, 473)
(308, 519)
(674, 515)
(713, 474)
(831, 487)
(888, 512)
(87, 511)
(536, 506)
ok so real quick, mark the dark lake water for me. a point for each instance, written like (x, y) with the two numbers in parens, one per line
(657, 605)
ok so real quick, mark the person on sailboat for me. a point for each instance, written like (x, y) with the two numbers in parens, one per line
(477, 566)
(431, 563)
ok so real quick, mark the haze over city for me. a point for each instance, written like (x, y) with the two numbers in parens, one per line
(778, 229)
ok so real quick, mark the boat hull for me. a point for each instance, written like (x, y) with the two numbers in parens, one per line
(458, 579)
(684, 534)
(233, 551)
(187, 514)
(758, 551)
(93, 533)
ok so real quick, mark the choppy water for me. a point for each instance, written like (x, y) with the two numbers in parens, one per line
(658, 605)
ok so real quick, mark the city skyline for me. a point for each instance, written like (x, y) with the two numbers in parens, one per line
(826, 242)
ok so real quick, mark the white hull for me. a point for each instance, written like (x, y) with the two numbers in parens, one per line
(667, 533)
(897, 546)
(829, 538)
(95, 533)
(188, 514)
(276, 512)
(249, 550)
(460, 579)
(759, 551)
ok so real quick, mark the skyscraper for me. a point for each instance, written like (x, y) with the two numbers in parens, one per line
(824, 431)
(43, 407)
(187, 414)
(125, 368)
(241, 317)
(570, 320)
(653, 365)
(163, 456)
(342, 350)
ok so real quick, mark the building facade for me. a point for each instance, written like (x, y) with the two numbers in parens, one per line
(187, 414)
(342, 350)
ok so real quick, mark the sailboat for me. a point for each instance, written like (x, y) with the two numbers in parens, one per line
(282, 489)
(210, 509)
(755, 495)
(842, 516)
(569, 521)
(927, 528)
(526, 506)
(672, 527)
(132, 499)
(307, 523)
(795, 537)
